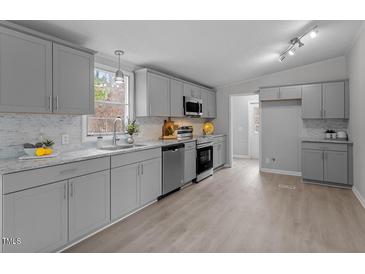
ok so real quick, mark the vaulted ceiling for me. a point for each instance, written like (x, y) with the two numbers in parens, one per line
(211, 52)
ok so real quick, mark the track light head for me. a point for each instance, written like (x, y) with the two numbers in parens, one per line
(281, 58)
(300, 44)
(291, 51)
(313, 33)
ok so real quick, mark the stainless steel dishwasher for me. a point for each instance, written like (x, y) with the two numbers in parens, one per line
(172, 168)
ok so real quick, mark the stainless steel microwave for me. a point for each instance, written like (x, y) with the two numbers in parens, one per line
(193, 106)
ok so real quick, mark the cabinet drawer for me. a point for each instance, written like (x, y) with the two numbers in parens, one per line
(26, 179)
(190, 145)
(134, 157)
(219, 139)
(324, 146)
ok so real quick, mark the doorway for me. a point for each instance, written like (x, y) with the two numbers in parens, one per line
(245, 123)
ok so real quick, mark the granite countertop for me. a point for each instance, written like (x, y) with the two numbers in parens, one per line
(322, 140)
(16, 165)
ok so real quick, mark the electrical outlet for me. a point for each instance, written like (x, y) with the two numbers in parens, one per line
(64, 139)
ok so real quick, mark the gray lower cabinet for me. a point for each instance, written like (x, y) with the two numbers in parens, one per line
(312, 164)
(124, 190)
(89, 203)
(219, 152)
(73, 81)
(150, 180)
(25, 73)
(38, 216)
(335, 167)
(190, 165)
(327, 162)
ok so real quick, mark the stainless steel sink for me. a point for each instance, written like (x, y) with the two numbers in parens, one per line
(121, 147)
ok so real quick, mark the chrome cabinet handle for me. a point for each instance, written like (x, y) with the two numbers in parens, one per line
(50, 103)
(56, 102)
(64, 191)
(142, 169)
(71, 189)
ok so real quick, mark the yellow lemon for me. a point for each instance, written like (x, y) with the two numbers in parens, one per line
(40, 151)
(48, 151)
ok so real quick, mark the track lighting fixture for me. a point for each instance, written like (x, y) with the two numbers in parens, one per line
(297, 43)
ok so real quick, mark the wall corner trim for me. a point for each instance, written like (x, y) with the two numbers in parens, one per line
(358, 196)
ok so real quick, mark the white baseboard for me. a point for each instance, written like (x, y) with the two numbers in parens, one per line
(283, 172)
(358, 196)
(242, 156)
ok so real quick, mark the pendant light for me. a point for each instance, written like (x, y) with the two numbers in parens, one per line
(119, 76)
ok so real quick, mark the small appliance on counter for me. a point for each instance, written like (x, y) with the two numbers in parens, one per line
(342, 135)
(331, 134)
(184, 133)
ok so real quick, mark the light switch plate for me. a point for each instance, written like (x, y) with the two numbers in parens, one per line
(64, 139)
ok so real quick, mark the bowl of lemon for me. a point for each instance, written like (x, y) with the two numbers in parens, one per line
(44, 148)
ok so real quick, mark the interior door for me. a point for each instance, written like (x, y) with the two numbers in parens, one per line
(312, 101)
(89, 203)
(253, 127)
(38, 217)
(25, 73)
(334, 100)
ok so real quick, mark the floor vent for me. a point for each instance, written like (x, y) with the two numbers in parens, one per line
(291, 187)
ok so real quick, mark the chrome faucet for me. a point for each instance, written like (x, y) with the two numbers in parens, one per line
(114, 140)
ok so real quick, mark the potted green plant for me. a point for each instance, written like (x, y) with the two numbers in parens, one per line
(131, 129)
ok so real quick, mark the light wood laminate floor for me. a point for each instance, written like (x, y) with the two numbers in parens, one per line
(241, 210)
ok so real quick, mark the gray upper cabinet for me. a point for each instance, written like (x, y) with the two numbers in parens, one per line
(152, 94)
(73, 81)
(38, 216)
(209, 103)
(312, 101)
(290, 92)
(269, 94)
(334, 100)
(176, 98)
(312, 164)
(150, 180)
(89, 203)
(124, 190)
(25, 73)
(191, 90)
(336, 167)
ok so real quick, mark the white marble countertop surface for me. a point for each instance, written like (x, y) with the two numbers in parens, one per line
(16, 165)
(322, 140)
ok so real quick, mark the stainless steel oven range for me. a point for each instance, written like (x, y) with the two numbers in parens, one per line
(204, 158)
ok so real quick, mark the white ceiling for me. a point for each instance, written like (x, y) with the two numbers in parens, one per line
(211, 52)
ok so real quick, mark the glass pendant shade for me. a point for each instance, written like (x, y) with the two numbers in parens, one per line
(119, 77)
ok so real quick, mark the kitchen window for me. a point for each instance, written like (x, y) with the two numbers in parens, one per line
(111, 100)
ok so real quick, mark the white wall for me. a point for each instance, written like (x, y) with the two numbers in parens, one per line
(332, 69)
(240, 123)
(356, 68)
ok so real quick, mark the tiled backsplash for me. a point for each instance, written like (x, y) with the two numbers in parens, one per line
(17, 129)
(313, 128)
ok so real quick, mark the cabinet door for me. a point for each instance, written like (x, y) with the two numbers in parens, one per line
(312, 164)
(25, 73)
(212, 105)
(216, 156)
(89, 203)
(158, 94)
(176, 98)
(192, 90)
(222, 153)
(205, 99)
(312, 101)
(73, 81)
(38, 216)
(291, 92)
(124, 190)
(150, 180)
(334, 100)
(268, 94)
(190, 165)
(335, 167)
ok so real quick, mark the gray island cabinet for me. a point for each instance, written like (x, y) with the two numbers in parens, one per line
(327, 162)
